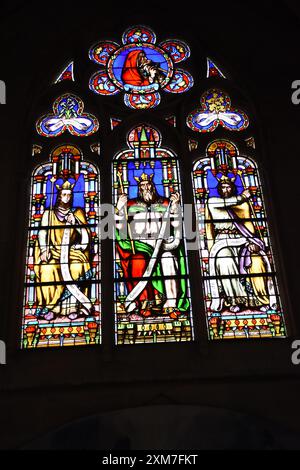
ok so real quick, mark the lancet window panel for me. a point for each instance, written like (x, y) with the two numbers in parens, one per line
(151, 285)
(237, 264)
(62, 295)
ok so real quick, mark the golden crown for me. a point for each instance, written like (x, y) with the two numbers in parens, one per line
(144, 177)
(65, 185)
(226, 179)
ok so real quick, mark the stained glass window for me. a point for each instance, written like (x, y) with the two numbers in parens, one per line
(151, 291)
(114, 122)
(239, 277)
(152, 297)
(67, 73)
(140, 68)
(62, 280)
(216, 110)
(213, 70)
(171, 120)
(67, 115)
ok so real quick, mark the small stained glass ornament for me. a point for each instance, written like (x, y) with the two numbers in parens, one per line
(213, 70)
(67, 115)
(67, 73)
(216, 110)
(250, 142)
(114, 122)
(95, 148)
(171, 120)
(193, 144)
(36, 149)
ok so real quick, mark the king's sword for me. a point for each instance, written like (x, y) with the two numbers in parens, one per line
(129, 301)
(65, 271)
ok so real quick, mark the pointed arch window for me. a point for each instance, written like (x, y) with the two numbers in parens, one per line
(150, 288)
(237, 264)
(152, 297)
(62, 280)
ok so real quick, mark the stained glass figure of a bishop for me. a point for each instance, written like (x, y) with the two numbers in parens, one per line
(62, 259)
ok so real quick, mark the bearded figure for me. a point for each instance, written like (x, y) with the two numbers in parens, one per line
(236, 252)
(150, 253)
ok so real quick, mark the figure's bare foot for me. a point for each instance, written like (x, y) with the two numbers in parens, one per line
(264, 308)
(234, 308)
(49, 316)
(73, 316)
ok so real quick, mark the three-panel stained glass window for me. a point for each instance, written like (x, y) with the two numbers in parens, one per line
(152, 297)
